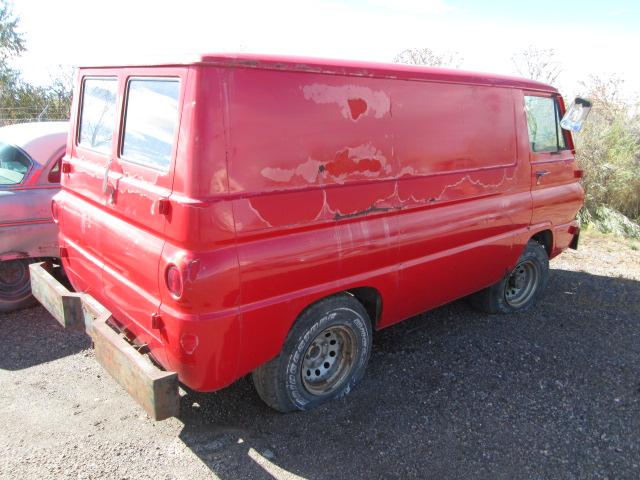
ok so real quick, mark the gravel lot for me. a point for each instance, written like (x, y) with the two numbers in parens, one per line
(552, 393)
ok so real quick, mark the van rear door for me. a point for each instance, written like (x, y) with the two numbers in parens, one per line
(81, 199)
(137, 183)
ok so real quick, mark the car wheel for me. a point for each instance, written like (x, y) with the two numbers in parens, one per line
(15, 287)
(324, 356)
(521, 288)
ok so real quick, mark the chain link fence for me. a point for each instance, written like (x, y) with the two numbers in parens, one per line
(48, 113)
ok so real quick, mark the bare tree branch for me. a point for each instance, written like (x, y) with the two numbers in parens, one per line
(538, 64)
(426, 56)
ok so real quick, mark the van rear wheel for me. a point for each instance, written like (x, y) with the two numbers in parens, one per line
(324, 356)
(15, 286)
(520, 289)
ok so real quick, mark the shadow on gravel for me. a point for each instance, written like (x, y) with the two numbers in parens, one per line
(549, 393)
(31, 336)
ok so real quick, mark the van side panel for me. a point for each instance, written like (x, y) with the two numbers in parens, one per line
(464, 190)
(311, 177)
(412, 188)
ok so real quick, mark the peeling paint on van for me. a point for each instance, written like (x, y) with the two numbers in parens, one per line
(308, 170)
(364, 160)
(355, 101)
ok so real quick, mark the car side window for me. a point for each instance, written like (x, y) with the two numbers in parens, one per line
(14, 165)
(98, 114)
(543, 122)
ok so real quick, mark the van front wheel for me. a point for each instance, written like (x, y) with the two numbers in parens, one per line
(520, 289)
(324, 356)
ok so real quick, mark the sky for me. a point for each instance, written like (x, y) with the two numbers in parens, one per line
(588, 36)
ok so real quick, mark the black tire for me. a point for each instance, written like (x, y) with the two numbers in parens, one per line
(509, 296)
(291, 382)
(15, 286)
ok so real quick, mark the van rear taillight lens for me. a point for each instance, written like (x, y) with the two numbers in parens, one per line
(174, 281)
(54, 210)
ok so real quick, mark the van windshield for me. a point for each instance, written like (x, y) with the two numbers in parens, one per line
(14, 165)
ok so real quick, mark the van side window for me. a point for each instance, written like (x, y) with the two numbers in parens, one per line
(150, 121)
(98, 115)
(543, 121)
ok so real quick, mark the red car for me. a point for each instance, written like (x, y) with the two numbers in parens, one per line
(254, 214)
(30, 155)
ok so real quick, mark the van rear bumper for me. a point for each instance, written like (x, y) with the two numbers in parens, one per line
(154, 389)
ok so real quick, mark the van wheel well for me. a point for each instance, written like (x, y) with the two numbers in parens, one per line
(544, 238)
(371, 300)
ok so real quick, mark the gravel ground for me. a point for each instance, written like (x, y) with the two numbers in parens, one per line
(552, 393)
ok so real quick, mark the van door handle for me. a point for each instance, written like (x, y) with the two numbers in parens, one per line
(109, 193)
(105, 179)
(540, 174)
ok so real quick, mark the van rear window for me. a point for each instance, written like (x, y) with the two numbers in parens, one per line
(98, 117)
(150, 122)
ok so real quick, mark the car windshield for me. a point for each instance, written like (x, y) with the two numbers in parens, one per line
(14, 165)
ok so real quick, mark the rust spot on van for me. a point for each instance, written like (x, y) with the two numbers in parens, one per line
(360, 213)
(357, 106)
(360, 200)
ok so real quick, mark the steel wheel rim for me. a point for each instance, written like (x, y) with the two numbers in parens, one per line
(329, 360)
(14, 279)
(521, 284)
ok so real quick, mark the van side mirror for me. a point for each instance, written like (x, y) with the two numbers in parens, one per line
(576, 114)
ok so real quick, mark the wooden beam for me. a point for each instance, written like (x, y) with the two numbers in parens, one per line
(63, 305)
(154, 389)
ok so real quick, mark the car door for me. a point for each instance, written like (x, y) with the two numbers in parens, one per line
(555, 188)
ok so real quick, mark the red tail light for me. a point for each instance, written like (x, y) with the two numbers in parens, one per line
(174, 281)
(54, 210)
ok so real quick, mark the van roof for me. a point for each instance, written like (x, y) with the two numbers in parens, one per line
(353, 68)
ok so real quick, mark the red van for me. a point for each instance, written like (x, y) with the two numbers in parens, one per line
(257, 214)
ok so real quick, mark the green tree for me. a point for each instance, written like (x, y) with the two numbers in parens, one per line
(20, 101)
(11, 41)
(11, 45)
(608, 149)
